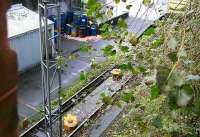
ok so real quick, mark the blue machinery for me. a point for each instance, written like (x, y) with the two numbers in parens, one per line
(75, 23)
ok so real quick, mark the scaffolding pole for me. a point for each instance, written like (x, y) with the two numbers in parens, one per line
(49, 64)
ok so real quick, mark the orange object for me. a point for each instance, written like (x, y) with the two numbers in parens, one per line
(8, 80)
(70, 122)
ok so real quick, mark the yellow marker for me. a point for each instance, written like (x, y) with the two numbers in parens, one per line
(70, 122)
(117, 74)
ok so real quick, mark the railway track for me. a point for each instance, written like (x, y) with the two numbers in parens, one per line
(70, 102)
(80, 95)
(123, 83)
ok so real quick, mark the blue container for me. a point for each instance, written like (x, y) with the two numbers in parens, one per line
(77, 18)
(68, 29)
(82, 31)
(93, 30)
(69, 17)
(83, 20)
(63, 19)
(88, 31)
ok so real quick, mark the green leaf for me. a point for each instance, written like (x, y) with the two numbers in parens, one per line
(157, 122)
(128, 6)
(90, 12)
(172, 99)
(121, 23)
(129, 66)
(142, 68)
(135, 70)
(109, 50)
(188, 89)
(61, 62)
(85, 47)
(82, 76)
(93, 8)
(146, 2)
(113, 52)
(104, 27)
(154, 91)
(117, 1)
(128, 97)
(197, 106)
(119, 103)
(113, 34)
(106, 99)
(105, 35)
(172, 43)
(173, 56)
(91, 3)
(124, 48)
(156, 43)
(149, 31)
(123, 66)
(110, 13)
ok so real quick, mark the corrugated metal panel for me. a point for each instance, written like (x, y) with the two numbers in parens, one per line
(21, 20)
(27, 48)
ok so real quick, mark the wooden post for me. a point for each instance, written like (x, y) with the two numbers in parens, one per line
(8, 80)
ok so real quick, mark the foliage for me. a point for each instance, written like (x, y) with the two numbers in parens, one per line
(85, 47)
(151, 118)
(169, 50)
(154, 91)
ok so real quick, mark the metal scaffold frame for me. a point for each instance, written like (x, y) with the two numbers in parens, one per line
(49, 65)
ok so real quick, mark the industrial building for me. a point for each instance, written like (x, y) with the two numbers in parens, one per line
(23, 35)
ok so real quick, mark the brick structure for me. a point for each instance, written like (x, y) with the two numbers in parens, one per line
(8, 80)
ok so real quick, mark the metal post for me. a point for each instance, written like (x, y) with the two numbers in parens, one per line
(49, 65)
(59, 69)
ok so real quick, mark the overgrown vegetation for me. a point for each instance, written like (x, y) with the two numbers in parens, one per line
(169, 105)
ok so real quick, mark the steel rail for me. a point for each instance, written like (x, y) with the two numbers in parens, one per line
(95, 111)
(81, 94)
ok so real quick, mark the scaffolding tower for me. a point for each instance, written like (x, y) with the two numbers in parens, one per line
(51, 73)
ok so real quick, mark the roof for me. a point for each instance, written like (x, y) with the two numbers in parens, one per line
(21, 20)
